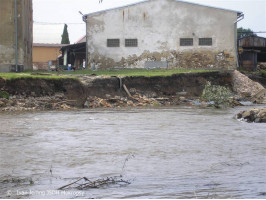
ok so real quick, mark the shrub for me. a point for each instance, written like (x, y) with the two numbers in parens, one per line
(263, 73)
(4, 95)
(219, 95)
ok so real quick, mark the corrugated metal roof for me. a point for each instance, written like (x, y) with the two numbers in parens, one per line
(98, 12)
(47, 33)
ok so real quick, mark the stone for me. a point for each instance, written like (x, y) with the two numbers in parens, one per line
(133, 91)
(245, 114)
(253, 115)
(2, 104)
(182, 98)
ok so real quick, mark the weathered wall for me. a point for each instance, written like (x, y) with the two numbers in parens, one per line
(158, 25)
(41, 55)
(44, 54)
(7, 34)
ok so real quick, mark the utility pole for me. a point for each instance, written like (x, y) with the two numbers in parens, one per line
(16, 35)
(84, 18)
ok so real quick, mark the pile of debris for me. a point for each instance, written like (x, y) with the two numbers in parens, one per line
(24, 103)
(253, 115)
(136, 100)
(261, 66)
(245, 87)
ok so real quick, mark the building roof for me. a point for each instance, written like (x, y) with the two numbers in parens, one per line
(80, 40)
(252, 41)
(47, 33)
(48, 45)
(143, 1)
(74, 46)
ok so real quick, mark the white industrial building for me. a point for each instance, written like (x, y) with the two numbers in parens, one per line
(162, 33)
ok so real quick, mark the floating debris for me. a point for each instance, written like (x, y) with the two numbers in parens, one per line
(85, 183)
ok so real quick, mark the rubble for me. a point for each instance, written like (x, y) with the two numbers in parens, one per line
(24, 103)
(244, 86)
(135, 100)
(253, 115)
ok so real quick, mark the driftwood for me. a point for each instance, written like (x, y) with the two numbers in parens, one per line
(125, 88)
(85, 183)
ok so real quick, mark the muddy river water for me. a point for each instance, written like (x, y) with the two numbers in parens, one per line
(179, 152)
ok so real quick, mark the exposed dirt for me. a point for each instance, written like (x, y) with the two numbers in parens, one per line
(99, 91)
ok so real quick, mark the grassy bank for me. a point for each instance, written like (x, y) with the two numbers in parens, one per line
(121, 72)
(10, 76)
(135, 72)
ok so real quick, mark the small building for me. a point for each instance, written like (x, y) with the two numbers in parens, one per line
(253, 51)
(163, 33)
(46, 45)
(15, 35)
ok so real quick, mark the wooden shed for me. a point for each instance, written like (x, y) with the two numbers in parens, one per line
(253, 51)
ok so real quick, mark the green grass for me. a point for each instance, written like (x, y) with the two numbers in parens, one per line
(11, 76)
(113, 72)
(136, 72)
(263, 73)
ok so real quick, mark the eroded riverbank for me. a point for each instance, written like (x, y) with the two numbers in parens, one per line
(98, 91)
(91, 91)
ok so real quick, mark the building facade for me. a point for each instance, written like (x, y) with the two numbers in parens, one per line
(252, 51)
(46, 45)
(162, 33)
(10, 53)
(45, 55)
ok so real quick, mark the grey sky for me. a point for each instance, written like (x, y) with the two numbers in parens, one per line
(67, 11)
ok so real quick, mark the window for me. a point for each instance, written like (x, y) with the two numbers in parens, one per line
(113, 43)
(186, 41)
(205, 41)
(131, 42)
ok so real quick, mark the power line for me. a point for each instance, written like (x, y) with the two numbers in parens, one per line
(252, 32)
(57, 23)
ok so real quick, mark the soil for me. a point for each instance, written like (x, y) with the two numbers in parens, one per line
(98, 91)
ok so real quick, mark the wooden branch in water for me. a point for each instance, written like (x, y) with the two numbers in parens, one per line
(70, 184)
(95, 184)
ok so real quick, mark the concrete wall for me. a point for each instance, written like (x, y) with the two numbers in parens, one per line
(158, 25)
(7, 35)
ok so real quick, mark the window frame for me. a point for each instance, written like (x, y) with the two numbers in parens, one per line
(112, 42)
(131, 42)
(205, 41)
(186, 42)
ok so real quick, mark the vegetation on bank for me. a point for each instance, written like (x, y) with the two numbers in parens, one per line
(4, 95)
(10, 76)
(112, 72)
(135, 72)
(263, 73)
(219, 95)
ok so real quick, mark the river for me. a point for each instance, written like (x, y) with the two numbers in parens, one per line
(175, 152)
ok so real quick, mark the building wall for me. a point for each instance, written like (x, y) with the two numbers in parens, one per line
(158, 26)
(7, 35)
(42, 55)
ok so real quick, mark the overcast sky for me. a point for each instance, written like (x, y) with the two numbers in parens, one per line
(67, 11)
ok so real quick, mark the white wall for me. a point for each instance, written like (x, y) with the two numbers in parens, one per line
(158, 25)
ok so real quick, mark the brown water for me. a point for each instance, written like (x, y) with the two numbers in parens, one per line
(172, 153)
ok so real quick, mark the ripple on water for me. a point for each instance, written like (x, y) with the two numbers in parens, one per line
(178, 152)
